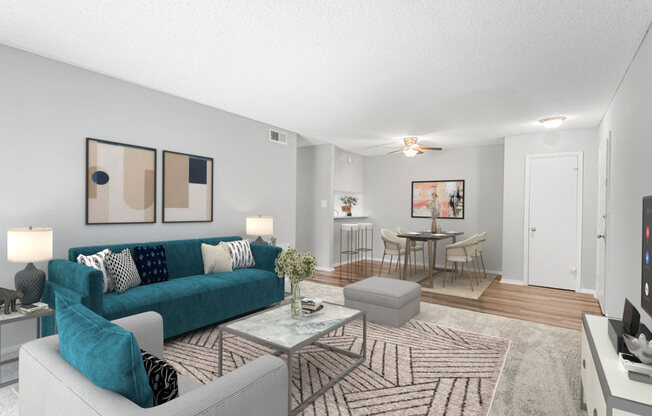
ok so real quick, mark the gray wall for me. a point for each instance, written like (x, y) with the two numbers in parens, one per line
(629, 119)
(387, 185)
(314, 185)
(48, 108)
(349, 172)
(516, 147)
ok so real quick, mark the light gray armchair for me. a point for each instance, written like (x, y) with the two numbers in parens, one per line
(51, 386)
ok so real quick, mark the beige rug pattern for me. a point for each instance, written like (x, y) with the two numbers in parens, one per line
(418, 369)
(460, 286)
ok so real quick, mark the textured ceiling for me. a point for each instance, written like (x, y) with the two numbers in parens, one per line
(356, 73)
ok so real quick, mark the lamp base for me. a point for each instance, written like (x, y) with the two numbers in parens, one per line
(260, 240)
(31, 282)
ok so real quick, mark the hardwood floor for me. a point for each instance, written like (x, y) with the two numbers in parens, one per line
(555, 307)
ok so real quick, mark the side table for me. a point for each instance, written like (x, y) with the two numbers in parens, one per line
(17, 317)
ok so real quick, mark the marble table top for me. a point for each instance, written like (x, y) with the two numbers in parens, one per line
(276, 326)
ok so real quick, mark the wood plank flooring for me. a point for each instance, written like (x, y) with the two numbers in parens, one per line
(555, 307)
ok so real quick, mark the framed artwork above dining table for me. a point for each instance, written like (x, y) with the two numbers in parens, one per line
(447, 196)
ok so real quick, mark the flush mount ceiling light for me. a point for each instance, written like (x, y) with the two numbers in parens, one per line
(552, 122)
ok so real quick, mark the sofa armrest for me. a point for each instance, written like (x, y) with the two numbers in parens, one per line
(265, 256)
(84, 280)
(147, 327)
(49, 386)
(259, 388)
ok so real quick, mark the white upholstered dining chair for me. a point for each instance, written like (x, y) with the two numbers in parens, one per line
(394, 246)
(479, 247)
(463, 253)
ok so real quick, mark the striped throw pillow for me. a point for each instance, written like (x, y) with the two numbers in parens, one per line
(241, 256)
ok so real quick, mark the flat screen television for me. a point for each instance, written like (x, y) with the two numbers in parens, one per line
(646, 260)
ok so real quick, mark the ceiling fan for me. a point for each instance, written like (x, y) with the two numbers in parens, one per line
(412, 147)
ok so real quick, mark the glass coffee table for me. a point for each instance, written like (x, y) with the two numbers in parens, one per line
(275, 329)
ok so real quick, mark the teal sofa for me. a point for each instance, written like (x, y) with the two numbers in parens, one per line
(189, 300)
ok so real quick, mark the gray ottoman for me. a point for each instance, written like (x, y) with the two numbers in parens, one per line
(386, 301)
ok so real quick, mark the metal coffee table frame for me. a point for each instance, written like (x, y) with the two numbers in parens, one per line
(290, 351)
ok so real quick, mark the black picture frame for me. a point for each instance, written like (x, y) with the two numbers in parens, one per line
(443, 218)
(86, 175)
(212, 176)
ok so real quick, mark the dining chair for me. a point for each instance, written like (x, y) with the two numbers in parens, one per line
(394, 246)
(462, 252)
(415, 247)
(482, 238)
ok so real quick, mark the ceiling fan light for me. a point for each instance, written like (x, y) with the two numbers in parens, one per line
(411, 151)
(552, 122)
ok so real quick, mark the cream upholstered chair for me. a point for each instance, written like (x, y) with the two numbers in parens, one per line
(461, 252)
(415, 247)
(394, 246)
(479, 247)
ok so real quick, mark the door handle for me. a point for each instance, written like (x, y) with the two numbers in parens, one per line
(602, 236)
(533, 228)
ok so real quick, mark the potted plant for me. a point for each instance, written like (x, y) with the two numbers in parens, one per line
(348, 201)
(297, 268)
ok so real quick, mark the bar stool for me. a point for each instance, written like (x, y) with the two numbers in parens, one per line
(365, 242)
(349, 233)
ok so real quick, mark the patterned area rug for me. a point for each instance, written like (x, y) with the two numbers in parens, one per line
(419, 369)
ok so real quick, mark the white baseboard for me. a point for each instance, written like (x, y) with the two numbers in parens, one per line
(324, 268)
(512, 281)
(589, 291)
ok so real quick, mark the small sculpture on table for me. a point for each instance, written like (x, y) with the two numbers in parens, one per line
(9, 297)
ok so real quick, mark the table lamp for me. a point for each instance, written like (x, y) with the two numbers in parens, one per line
(260, 226)
(29, 245)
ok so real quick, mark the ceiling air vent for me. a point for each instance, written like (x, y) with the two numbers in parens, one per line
(278, 137)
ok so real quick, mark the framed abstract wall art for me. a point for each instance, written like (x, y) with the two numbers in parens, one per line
(120, 183)
(187, 188)
(446, 196)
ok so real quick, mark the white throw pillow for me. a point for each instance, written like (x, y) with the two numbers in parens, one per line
(122, 270)
(241, 256)
(217, 259)
(97, 261)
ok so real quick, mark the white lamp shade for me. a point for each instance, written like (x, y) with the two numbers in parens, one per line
(260, 225)
(29, 244)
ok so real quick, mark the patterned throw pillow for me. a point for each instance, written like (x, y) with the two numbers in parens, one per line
(96, 261)
(241, 257)
(122, 270)
(162, 378)
(151, 264)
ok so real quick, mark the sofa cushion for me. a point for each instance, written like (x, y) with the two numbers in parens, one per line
(151, 264)
(183, 256)
(196, 301)
(241, 256)
(162, 378)
(216, 259)
(123, 271)
(105, 353)
(97, 261)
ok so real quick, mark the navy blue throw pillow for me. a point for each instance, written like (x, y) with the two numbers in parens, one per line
(151, 264)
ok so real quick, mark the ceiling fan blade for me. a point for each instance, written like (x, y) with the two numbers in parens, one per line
(395, 151)
(419, 152)
(430, 148)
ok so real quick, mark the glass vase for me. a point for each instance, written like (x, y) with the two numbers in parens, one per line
(296, 311)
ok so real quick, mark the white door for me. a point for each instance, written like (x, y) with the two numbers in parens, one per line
(604, 158)
(553, 220)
